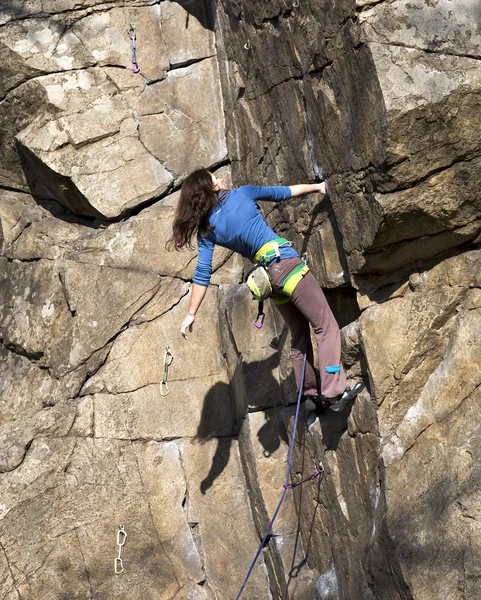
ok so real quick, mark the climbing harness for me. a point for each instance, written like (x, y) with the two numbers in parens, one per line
(168, 358)
(133, 37)
(287, 485)
(290, 282)
(270, 251)
(121, 537)
(258, 279)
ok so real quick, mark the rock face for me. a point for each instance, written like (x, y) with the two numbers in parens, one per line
(380, 99)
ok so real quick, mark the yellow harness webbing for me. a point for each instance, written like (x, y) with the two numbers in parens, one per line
(269, 250)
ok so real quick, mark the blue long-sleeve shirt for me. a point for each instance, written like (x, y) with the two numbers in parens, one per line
(239, 226)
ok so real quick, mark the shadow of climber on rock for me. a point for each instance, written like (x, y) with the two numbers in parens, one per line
(224, 411)
(217, 421)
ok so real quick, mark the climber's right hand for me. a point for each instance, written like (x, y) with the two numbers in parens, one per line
(187, 323)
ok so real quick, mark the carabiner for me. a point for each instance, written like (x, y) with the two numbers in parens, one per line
(118, 561)
(168, 358)
(132, 30)
(121, 534)
(262, 316)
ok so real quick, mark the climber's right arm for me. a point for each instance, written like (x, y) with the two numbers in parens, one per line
(196, 297)
(201, 280)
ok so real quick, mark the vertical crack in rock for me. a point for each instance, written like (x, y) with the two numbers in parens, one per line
(10, 571)
(259, 512)
(145, 494)
(193, 525)
(68, 300)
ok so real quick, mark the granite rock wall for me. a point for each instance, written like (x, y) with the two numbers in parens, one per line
(381, 100)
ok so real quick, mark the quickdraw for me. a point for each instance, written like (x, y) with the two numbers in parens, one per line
(168, 358)
(121, 537)
(133, 36)
(318, 471)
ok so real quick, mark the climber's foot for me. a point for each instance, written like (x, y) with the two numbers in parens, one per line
(351, 392)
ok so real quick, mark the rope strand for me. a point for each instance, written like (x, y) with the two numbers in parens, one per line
(287, 484)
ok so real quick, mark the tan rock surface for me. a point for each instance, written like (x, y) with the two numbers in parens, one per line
(426, 375)
(189, 133)
(379, 98)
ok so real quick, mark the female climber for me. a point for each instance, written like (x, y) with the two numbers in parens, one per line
(230, 218)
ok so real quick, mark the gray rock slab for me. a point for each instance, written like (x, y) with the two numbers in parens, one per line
(190, 132)
(444, 27)
(26, 386)
(435, 485)
(23, 386)
(421, 321)
(164, 481)
(104, 35)
(425, 375)
(227, 536)
(417, 85)
(258, 348)
(80, 490)
(350, 494)
(17, 436)
(99, 316)
(21, 106)
(187, 39)
(32, 47)
(445, 201)
(137, 355)
(51, 315)
(201, 408)
(84, 156)
(452, 382)
(16, 9)
(270, 446)
(49, 237)
(139, 243)
(17, 211)
(33, 303)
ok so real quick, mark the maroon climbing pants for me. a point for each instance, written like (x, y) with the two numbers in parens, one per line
(308, 305)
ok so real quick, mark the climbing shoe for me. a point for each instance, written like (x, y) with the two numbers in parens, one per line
(351, 392)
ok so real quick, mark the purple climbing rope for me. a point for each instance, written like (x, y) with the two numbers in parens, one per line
(287, 484)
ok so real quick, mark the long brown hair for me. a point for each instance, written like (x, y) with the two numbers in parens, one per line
(197, 198)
